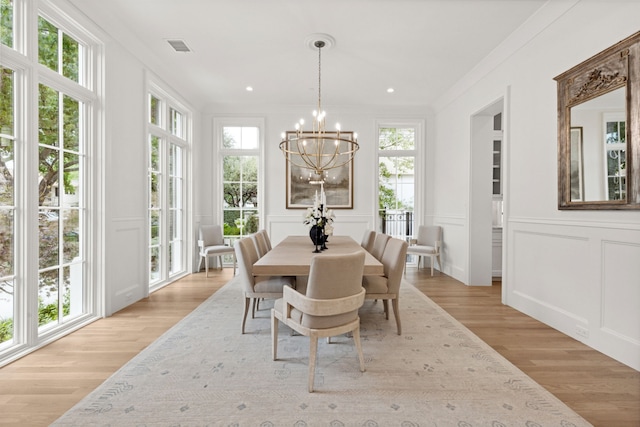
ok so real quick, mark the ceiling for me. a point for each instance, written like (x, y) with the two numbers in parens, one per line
(418, 47)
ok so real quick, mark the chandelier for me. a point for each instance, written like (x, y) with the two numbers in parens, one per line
(317, 149)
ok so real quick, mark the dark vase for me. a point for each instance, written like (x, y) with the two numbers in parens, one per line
(317, 235)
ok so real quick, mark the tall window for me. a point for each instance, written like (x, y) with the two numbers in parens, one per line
(168, 141)
(7, 206)
(240, 156)
(396, 182)
(44, 171)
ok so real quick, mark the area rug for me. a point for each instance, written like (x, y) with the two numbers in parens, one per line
(203, 372)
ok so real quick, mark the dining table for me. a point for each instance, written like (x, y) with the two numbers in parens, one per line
(293, 255)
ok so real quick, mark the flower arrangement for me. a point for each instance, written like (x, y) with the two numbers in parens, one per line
(319, 215)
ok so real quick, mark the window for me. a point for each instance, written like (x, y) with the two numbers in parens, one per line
(7, 206)
(61, 208)
(167, 142)
(240, 183)
(615, 157)
(6, 22)
(396, 184)
(45, 219)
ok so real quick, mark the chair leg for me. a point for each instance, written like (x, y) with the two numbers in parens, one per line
(432, 262)
(253, 309)
(313, 352)
(206, 264)
(356, 339)
(200, 263)
(220, 261)
(244, 313)
(274, 335)
(396, 312)
(385, 303)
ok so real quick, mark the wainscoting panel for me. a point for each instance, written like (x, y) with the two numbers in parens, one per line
(281, 226)
(620, 290)
(455, 239)
(127, 281)
(583, 280)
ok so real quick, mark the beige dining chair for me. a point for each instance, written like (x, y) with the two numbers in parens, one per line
(330, 307)
(267, 240)
(387, 287)
(379, 244)
(211, 243)
(368, 239)
(254, 287)
(260, 242)
(427, 244)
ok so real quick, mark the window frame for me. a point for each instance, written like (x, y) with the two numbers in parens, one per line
(29, 74)
(219, 123)
(164, 131)
(417, 153)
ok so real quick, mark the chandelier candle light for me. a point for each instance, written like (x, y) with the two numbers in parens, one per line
(316, 149)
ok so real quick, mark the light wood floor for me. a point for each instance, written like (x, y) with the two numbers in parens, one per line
(37, 389)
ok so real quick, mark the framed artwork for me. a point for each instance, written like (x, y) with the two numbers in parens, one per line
(577, 174)
(302, 185)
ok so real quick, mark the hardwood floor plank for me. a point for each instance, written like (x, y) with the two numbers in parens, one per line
(56, 377)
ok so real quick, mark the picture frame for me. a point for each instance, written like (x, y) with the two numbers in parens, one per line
(302, 186)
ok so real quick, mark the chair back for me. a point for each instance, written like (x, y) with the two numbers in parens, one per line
(368, 240)
(211, 235)
(331, 277)
(261, 244)
(393, 260)
(246, 255)
(428, 235)
(379, 244)
(266, 238)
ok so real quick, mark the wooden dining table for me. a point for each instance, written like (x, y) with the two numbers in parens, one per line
(292, 257)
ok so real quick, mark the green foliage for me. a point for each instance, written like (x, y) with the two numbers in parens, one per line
(394, 139)
(6, 22)
(251, 225)
(49, 313)
(6, 330)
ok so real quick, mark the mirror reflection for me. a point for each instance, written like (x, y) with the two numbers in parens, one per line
(598, 148)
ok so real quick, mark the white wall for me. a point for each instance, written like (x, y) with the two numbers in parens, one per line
(126, 278)
(573, 270)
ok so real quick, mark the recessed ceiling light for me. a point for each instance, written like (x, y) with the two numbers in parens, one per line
(390, 90)
(249, 89)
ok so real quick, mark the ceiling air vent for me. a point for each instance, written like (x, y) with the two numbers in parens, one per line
(179, 45)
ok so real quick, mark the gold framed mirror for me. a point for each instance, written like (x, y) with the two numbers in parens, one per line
(599, 130)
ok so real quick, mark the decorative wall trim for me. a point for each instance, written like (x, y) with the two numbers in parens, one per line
(573, 223)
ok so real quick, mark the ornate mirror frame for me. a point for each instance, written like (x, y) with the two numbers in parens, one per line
(614, 68)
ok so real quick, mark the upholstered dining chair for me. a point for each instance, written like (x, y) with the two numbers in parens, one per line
(427, 244)
(211, 243)
(379, 244)
(387, 287)
(330, 307)
(368, 239)
(267, 240)
(260, 242)
(255, 287)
